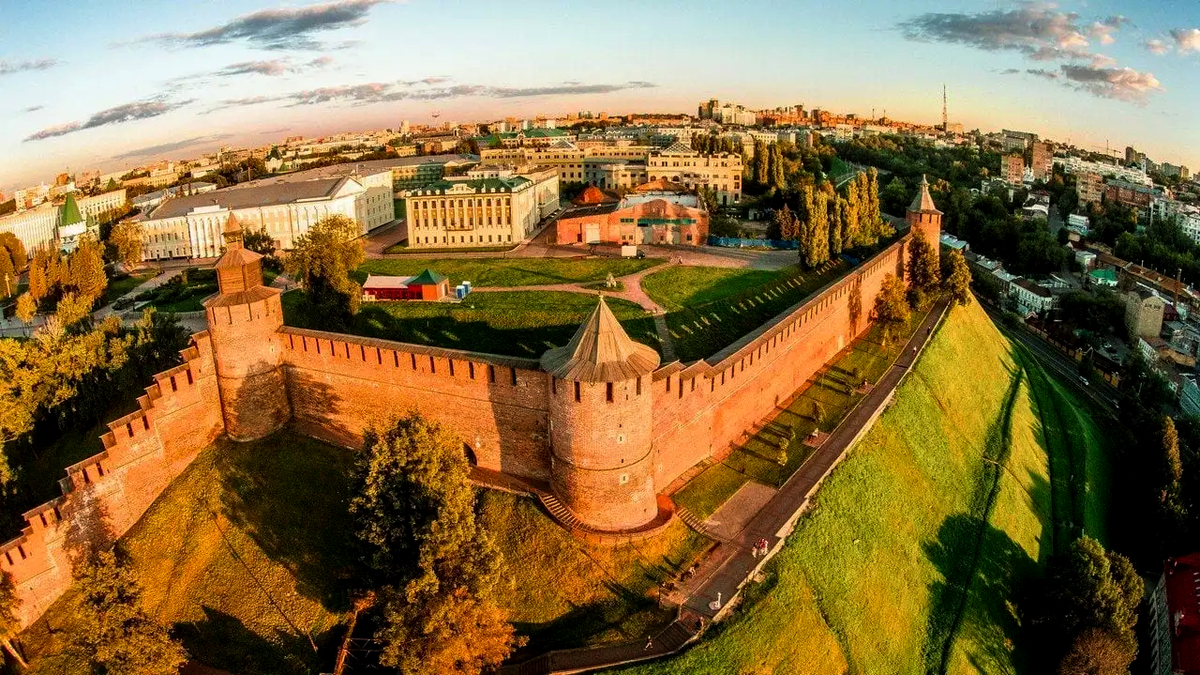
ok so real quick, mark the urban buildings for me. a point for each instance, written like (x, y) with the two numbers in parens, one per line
(1144, 312)
(1075, 165)
(191, 226)
(659, 212)
(1172, 170)
(491, 206)
(1014, 169)
(1174, 613)
(727, 113)
(1089, 187)
(150, 200)
(39, 227)
(1042, 161)
(720, 172)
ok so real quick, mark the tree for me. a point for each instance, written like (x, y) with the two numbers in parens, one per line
(26, 307)
(891, 311)
(1169, 486)
(16, 250)
(321, 262)
(924, 276)
(8, 277)
(72, 309)
(261, 242)
(415, 510)
(724, 226)
(1097, 652)
(86, 270)
(39, 282)
(956, 277)
(115, 631)
(10, 624)
(126, 238)
(817, 252)
(1087, 587)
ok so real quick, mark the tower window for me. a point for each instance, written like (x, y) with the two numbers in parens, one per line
(578, 397)
(608, 392)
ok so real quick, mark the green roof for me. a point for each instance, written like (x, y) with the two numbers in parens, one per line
(485, 184)
(426, 278)
(1107, 275)
(70, 211)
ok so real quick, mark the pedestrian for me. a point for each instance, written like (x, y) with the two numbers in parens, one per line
(649, 642)
(754, 552)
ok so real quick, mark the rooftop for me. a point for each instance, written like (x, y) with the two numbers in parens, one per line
(269, 193)
(600, 351)
(351, 169)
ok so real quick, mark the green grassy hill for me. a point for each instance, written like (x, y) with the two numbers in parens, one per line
(910, 555)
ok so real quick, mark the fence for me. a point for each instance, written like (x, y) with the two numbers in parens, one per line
(737, 242)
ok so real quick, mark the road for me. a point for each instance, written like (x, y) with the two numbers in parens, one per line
(1104, 395)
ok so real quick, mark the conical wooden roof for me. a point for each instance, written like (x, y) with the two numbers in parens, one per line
(601, 351)
(923, 203)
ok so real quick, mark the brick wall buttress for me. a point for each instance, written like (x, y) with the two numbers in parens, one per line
(104, 495)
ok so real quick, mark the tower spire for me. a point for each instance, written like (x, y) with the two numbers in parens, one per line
(945, 114)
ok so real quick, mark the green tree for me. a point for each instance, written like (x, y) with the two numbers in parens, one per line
(724, 226)
(956, 277)
(1087, 587)
(16, 250)
(924, 276)
(126, 238)
(321, 262)
(1098, 652)
(1173, 516)
(891, 310)
(415, 510)
(115, 631)
(10, 623)
(86, 270)
(761, 164)
(817, 252)
(261, 242)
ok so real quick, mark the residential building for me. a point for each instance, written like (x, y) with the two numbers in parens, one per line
(1125, 193)
(1043, 161)
(1186, 215)
(1014, 169)
(720, 172)
(191, 226)
(492, 206)
(533, 138)
(658, 212)
(1078, 223)
(1089, 188)
(1075, 165)
(1087, 259)
(1189, 395)
(1171, 170)
(1030, 297)
(1174, 614)
(1016, 140)
(1143, 312)
(41, 226)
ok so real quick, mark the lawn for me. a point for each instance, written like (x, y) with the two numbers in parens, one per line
(122, 284)
(511, 271)
(249, 553)
(564, 593)
(183, 292)
(913, 550)
(521, 323)
(711, 308)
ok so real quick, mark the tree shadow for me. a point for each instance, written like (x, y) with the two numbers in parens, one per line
(290, 496)
(87, 526)
(221, 640)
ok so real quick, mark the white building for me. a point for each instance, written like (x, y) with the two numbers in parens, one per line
(1075, 165)
(1187, 215)
(191, 226)
(38, 228)
(1030, 297)
(150, 200)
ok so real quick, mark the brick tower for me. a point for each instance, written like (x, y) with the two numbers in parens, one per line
(925, 219)
(602, 467)
(243, 320)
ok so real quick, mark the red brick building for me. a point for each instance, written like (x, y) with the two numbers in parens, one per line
(428, 285)
(659, 212)
(1174, 614)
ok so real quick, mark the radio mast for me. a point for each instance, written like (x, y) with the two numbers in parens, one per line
(945, 116)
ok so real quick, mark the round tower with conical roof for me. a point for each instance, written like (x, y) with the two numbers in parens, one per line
(602, 466)
(924, 218)
(243, 323)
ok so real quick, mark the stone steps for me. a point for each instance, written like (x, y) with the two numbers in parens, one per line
(559, 511)
(691, 520)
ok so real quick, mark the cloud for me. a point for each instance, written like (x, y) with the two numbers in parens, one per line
(126, 112)
(1123, 84)
(1157, 47)
(1042, 72)
(173, 146)
(1038, 31)
(320, 62)
(384, 92)
(278, 28)
(12, 67)
(1103, 30)
(1186, 39)
(34, 108)
(274, 67)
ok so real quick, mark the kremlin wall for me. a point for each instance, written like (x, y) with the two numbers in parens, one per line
(600, 420)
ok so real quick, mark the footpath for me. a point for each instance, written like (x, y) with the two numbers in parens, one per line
(713, 590)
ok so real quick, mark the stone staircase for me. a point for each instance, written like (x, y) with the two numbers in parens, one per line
(691, 520)
(559, 511)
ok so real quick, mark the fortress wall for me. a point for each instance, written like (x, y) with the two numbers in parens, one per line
(104, 495)
(705, 409)
(340, 384)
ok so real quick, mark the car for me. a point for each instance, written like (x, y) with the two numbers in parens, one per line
(1083, 380)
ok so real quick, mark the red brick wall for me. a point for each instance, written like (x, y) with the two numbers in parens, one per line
(340, 384)
(104, 495)
(249, 366)
(704, 409)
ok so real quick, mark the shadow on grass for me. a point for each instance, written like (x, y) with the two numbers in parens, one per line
(215, 638)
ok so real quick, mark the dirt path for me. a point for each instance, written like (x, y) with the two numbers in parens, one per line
(632, 289)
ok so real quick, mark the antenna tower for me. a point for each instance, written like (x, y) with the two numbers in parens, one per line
(945, 115)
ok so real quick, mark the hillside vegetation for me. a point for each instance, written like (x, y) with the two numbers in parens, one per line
(911, 555)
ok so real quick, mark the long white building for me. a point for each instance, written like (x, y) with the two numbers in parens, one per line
(190, 227)
(38, 228)
(1075, 165)
(492, 206)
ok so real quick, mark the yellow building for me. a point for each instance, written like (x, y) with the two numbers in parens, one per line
(492, 206)
(720, 172)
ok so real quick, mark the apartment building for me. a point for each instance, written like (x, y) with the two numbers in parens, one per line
(721, 172)
(491, 206)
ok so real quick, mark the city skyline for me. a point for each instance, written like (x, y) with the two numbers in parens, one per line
(139, 85)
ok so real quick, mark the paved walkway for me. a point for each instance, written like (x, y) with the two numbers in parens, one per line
(733, 563)
(632, 292)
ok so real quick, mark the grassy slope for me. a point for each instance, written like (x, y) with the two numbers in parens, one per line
(524, 323)
(246, 555)
(872, 581)
(511, 271)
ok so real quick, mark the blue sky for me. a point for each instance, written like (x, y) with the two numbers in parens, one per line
(116, 83)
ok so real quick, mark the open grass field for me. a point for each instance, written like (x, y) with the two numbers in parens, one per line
(122, 284)
(524, 323)
(250, 555)
(184, 292)
(511, 271)
(564, 593)
(711, 308)
(910, 556)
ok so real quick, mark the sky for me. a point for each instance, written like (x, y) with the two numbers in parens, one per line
(116, 83)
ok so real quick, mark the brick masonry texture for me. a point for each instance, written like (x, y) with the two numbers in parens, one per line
(606, 452)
